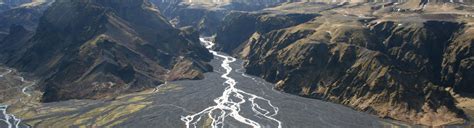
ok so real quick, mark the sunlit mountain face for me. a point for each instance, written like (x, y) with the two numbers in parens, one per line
(236, 63)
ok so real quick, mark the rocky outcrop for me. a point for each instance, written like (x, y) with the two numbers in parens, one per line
(458, 62)
(207, 16)
(204, 20)
(237, 27)
(394, 69)
(102, 48)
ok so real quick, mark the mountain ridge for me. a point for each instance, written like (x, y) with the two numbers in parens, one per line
(104, 50)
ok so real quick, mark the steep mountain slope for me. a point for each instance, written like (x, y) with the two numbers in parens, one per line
(395, 81)
(237, 27)
(26, 14)
(101, 48)
(206, 15)
(458, 61)
(203, 19)
(393, 65)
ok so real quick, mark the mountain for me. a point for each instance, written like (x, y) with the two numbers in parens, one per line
(357, 53)
(102, 48)
(206, 15)
(410, 61)
(402, 66)
(25, 13)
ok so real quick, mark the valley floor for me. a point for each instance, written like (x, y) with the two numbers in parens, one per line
(329, 65)
(165, 105)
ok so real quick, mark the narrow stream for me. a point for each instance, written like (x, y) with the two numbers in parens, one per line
(10, 120)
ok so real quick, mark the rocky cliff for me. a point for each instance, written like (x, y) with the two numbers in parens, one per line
(237, 27)
(203, 19)
(101, 48)
(395, 66)
(206, 15)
